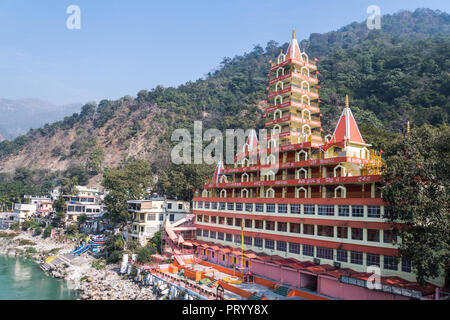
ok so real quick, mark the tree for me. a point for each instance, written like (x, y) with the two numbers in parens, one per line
(72, 229)
(179, 180)
(128, 182)
(60, 218)
(144, 254)
(114, 247)
(59, 204)
(115, 242)
(88, 110)
(155, 241)
(417, 191)
(68, 185)
(82, 219)
(47, 231)
(37, 231)
(95, 162)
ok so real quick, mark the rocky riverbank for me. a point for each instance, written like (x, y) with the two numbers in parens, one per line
(92, 284)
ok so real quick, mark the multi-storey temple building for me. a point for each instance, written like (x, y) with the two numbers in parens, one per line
(311, 214)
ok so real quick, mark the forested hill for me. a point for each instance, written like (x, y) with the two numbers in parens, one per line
(392, 75)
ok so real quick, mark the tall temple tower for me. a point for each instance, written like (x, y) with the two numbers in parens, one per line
(293, 96)
(318, 220)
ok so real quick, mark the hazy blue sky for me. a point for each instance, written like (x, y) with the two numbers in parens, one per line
(125, 46)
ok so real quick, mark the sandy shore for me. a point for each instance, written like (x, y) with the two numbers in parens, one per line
(92, 284)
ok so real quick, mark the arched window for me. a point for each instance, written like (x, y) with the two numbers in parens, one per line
(301, 192)
(267, 175)
(276, 130)
(306, 129)
(308, 112)
(271, 159)
(305, 57)
(245, 162)
(301, 155)
(270, 193)
(278, 100)
(305, 84)
(279, 86)
(308, 99)
(205, 193)
(244, 193)
(305, 71)
(277, 114)
(245, 177)
(339, 171)
(280, 72)
(340, 192)
(223, 193)
(281, 58)
(223, 179)
(272, 143)
(301, 173)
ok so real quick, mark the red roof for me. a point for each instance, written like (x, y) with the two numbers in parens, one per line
(252, 141)
(347, 129)
(293, 51)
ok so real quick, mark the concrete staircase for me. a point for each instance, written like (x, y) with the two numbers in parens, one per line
(59, 260)
(282, 291)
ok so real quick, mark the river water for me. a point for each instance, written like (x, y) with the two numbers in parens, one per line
(22, 279)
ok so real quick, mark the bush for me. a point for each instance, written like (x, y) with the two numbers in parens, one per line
(133, 245)
(37, 231)
(48, 231)
(98, 264)
(72, 229)
(82, 219)
(144, 254)
(115, 243)
(29, 224)
(115, 256)
(31, 250)
(15, 226)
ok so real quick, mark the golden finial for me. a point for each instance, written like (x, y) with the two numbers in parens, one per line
(408, 128)
(346, 101)
(293, 33)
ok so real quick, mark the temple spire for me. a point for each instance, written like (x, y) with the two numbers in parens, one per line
(293, 33)
(346, 128)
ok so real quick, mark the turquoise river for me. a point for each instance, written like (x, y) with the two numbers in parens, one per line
(21, 279)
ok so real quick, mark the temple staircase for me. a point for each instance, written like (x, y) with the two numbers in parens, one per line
(282, 291)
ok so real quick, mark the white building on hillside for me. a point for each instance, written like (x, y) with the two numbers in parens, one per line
(149, 215)
(23, 211)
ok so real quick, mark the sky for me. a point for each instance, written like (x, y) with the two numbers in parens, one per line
(126, 46)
